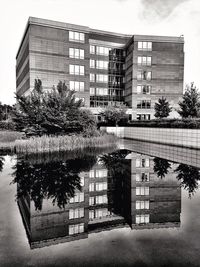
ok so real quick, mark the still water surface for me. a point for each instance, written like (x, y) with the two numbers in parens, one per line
(135, 205)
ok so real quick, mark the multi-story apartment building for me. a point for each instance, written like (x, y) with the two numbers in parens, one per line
(104, 68)
(126, 193)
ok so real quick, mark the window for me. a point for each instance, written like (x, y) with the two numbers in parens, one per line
(92, 77)
(77, 86)
(143, 117)
(145, 46)
(102, 78)
(76, 213)
(143, 89)
(76, 53)
(76, 37)
(92, 91)
(92, 49)
(142, 162)
(142, 191)
(101, 91)
(142, 204)
(144, 61)
(100, 50)
(144, 104)
(91, 174)
(91, 201)
(92, 63)
(79, 197)
(142, 177)
(99, 213)
(91, 187)
(101, 186)
(76, 228)
(101, 173)
(102, 199)
(101, 64)
(142, 218)
(91, 214)
(76, 69)
(144, 75)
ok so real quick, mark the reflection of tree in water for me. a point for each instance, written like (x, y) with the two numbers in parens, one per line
(189, 177)
(1, 163)
(119, 175)
(56, 180)
(161, 167)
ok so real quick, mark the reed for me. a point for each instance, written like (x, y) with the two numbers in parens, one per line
(49, 144)
(8, 138)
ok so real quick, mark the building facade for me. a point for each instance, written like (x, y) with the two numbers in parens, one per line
(104, 68)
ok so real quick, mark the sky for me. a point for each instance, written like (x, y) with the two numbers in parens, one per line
(152, 17)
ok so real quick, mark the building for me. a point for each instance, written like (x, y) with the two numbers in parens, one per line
(126, 193)
(104, 68)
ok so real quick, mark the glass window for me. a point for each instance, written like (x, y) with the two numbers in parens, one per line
(101, 91)
(76, 37)
(100, 50)
(143, 116)
(102, 199)
(91, 214)
(77, 86)
(92, 49)
(102, 78)
(92, 63)
(76, 69)
(92, 91)
(76, 228)
(145, 61)
(142, 204)
(91, 187)
(142, 218)
(142, 191)
(101, 64)
(101, 173)
(144, 104)
(92, 77)
(76, 213)
(144, 75)
(145, 46)
(91, 201)
(101, 186)
(143, 89)
(142, 177)
(78, 197)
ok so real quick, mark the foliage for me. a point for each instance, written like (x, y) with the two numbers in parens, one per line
(185, 123)
(48, 144)
(7, 125)
(190, 104)
(52, 112)
(162, 108)
(56, 180)
(189, 177)
(5, 111)
(112, 115)
(161, 167)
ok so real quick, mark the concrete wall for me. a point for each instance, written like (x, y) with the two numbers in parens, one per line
(178, 137)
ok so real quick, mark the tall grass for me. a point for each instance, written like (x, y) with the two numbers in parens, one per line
(8, 138)
(47, 144)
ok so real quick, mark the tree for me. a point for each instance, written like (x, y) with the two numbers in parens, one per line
(5, 111)
(112, 115)
(162, 108)
(190, 104)
(161, 167)
(53, 112)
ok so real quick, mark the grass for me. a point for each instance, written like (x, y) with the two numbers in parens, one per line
(8, 138)
(48, 144)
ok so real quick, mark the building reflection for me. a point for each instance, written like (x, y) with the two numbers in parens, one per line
(118, 189)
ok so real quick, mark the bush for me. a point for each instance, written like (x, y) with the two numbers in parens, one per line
(161, 123)
(7, 125)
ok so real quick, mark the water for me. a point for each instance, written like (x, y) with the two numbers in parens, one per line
(135, 205)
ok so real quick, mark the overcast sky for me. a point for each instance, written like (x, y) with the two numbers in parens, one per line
(153, 17)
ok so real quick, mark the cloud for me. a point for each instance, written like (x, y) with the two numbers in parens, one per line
(158, 9)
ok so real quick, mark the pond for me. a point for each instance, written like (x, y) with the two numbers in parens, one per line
(133, 205)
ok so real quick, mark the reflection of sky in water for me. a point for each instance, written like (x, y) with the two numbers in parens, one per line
(174, 239)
